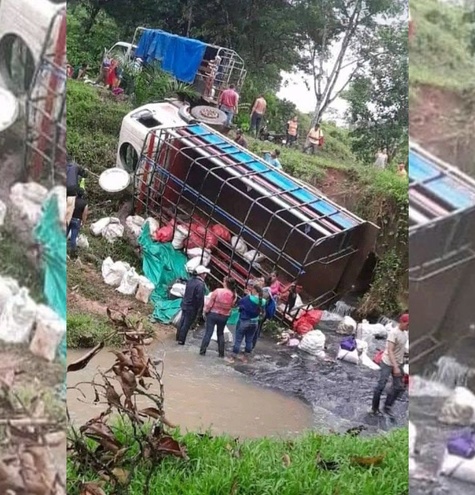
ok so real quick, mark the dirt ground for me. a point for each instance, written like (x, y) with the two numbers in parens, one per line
(443, 122)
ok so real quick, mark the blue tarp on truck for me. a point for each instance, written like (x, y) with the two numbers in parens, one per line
(179, 56)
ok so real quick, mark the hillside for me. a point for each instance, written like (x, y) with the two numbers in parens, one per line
(442, 83)
(94, 120)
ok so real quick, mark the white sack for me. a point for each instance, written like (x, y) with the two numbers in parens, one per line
(365, 360)
(83, 243)
(412, 438)
(178, 290)
(193, 264)
(458, 468)
(99, 226)
(348, 356)
(177, 319)
(27, 199)
(113, 273)
(50, 330)
(366, 331)
(253, 256)
(198, 252)
(459, 408)
(3, 213)
(228, 336)
(145, 289)
(313, 342)
(239, 245)
(8, 288)
(154, 225)
(113, 230)
(129, 282)
(60, 193)
(134, 224)
(17, 318)
(179, 237)
(347, 326)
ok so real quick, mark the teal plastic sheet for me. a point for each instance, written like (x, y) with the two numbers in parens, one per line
(162, 265)
(53, 241)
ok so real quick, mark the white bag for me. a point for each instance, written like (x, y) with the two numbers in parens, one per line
(193, 264)
(113, 230)
(27, 199)
(60, 193)
(129, 282)
(134, 224)
(3, 213)
(349, 356)
(17, 318)
(365, 360)
(50, 330)
(313, 342)
(145, 289)
(458, 468)
(195, 252)
(347, 326)
(178, 290)
(177, 319)
(8, 288)
(366, 331)
(228, 336)
(459, 408)
(82, 242)
(239, 245)
(412, 438)
(99, 226)
(154, 225)
(253, 256)
(179, 237)
(113, 273)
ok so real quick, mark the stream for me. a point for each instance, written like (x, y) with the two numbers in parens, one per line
(281, 392)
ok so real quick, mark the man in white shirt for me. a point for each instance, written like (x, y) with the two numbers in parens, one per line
(391, 365)
(314, 139)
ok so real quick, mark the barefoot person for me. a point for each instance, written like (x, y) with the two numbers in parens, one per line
(391, 365)
(217, 311)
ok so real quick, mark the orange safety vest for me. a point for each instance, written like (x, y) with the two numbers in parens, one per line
(292, 127)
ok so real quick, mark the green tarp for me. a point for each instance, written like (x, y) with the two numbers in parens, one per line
(162, 265)
(50, 235)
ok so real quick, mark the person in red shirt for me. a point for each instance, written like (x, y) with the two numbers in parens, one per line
(228, 103)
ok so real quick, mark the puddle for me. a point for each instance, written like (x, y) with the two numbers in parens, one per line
(201, 393)
(427, 398)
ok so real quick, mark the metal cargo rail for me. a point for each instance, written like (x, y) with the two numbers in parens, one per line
(442, 255)
(194, 171)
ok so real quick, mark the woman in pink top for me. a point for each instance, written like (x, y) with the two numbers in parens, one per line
(217, 310)
(275, 285)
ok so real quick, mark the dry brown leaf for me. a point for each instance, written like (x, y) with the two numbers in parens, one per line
(112, 397)
(91, 489)
(286, 460)
(168, 445)
(152, 412)
(234, 488)
(83, 361)
(121, 474)
(7, 379)
(368, 461)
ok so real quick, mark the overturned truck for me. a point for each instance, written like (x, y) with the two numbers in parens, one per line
(191, 171)
(442, 260)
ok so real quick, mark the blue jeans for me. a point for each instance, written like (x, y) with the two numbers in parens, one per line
(218, 321)
(258, 331)
(396, 389)
(245, 330)
(229, 113)
(188, 317)
(74, 227)
(256, 119)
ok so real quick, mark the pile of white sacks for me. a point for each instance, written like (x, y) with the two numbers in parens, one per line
(126, 280)
(22, 321)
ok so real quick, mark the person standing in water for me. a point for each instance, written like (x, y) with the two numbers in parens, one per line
(251, 309)
(192, 302)
(391, 365)
(217, 311)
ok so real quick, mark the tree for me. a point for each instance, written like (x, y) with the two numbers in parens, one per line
(378, 96)
(334, 35)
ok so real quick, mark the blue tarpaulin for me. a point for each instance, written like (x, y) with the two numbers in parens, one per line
(179, 56)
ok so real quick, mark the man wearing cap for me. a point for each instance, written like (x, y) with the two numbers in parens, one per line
(392, 364)
(192, 302)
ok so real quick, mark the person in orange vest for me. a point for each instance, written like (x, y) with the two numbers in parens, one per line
(292, 131)
(314, 139)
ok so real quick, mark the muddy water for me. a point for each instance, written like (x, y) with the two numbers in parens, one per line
(202, 393)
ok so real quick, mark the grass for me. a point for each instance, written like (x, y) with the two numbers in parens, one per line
(439, 52)
(15, 263)
(220, 465)
(86, 331)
